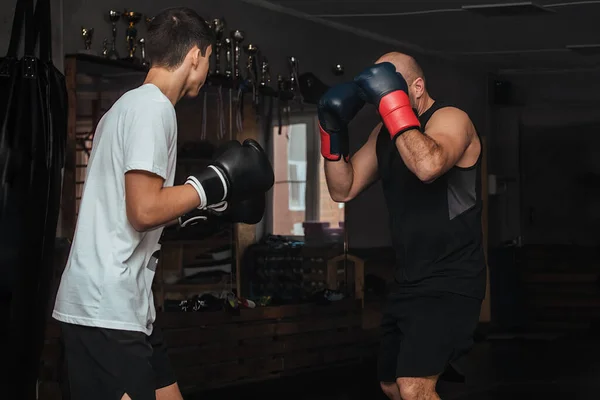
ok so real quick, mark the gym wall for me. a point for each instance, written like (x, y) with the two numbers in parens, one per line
(6, 19)
(318, 48)
(564, 120)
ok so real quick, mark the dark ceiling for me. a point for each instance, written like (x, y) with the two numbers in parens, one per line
(520, 37)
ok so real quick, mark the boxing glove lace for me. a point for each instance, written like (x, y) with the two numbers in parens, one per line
(249, 211)
(382, 86)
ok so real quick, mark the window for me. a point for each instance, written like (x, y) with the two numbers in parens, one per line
(296, 166)
(300, 191)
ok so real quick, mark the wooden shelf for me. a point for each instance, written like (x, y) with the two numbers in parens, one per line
(101, 66)
(193, 287)
(206, 242)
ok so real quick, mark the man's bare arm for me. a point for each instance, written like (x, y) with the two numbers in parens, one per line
(346, 180)
(431, 154)
(150, 205)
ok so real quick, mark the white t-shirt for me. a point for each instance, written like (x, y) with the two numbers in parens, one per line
(108, 277)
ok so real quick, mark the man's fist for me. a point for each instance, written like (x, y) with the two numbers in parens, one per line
(382, 86)
(239, 172)
(338, 106)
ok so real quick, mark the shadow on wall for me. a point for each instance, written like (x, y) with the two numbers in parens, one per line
(561, 185)
(544, 112)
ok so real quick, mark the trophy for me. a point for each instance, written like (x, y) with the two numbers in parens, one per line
(113, 17)
(265, 73)
(144, 60)
(251, 63)
(132, 18)
(237, 38)
(218, 26)
(283, 102)
(252, 70)
(105, 47)
(228, 59)
(294, 82)
(87, 34)
(338, 70)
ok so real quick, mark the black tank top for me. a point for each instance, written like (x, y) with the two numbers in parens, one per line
(436, 227)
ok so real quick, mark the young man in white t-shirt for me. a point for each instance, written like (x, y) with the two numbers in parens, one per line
(105, 301)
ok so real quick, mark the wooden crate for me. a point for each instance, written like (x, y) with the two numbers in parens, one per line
(215, 349)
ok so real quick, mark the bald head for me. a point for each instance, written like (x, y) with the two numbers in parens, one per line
(405, 65)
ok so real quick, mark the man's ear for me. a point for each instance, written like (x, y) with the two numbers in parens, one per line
(419, 85)
(196, 57)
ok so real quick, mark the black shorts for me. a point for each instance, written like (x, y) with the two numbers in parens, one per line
(422, 335)
(104, 364)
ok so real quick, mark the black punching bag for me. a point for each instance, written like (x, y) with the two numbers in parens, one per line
(33, 126)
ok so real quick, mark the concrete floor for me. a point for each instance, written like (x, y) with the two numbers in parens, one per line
(545, 367)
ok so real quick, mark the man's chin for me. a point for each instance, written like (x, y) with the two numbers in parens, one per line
(191, 94)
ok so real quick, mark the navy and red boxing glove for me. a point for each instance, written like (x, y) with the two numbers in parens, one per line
(382, 86)
(337, 107)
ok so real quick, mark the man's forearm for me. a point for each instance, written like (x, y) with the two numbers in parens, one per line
(339, 176)
(172, 222)
(168, 205)
(421, 154)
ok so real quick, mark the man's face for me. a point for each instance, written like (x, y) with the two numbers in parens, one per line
(412, 94)
(198, 73)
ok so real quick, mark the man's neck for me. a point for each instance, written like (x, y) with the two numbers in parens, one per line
(424, 104)
(167, 82)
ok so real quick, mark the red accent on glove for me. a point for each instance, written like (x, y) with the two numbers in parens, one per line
(397, 114)
(326, 146)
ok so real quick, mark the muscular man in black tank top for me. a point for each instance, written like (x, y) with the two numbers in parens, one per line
(427, 155)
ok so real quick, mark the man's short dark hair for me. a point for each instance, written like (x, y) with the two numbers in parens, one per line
(173, 33)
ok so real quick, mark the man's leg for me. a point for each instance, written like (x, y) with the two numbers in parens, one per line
(107, 364)
(170, 392)
(166, 383)
(417, 388)
(388, 352)
(437, 329)
(390, 389)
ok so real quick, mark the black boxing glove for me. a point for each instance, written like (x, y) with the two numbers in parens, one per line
(249, 211)
(337, 107)
(237, 174)
(388, 91)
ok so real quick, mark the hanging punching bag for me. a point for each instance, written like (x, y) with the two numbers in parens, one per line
(33, 115)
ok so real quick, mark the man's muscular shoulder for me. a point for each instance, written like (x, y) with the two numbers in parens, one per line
(450, 117)
(456, 125)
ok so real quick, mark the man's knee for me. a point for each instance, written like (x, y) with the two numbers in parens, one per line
(416, 388)
(390, 389)
(170, 392)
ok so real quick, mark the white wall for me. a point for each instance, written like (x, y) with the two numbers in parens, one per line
(317, 47)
